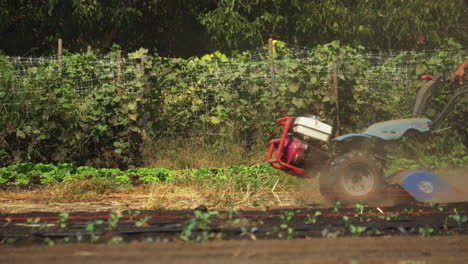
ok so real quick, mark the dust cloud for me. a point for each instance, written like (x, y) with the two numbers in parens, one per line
(458, 178)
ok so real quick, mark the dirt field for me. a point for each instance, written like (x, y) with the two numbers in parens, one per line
(387, 239)
(452, 249)
(31, 232)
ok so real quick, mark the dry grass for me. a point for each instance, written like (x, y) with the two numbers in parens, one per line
(198, 152)
(86, 196)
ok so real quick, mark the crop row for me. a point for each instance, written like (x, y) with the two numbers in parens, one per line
(31, 173)
(206, 224)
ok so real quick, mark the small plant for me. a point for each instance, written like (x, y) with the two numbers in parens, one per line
(393, 217)
(436, 207)
(230, 214)
(427, 231)
(116, 240)
(113, 221)
(49, 241)
(312, 219)
(284, 231)
(337, 207)
(359, 208)
(346, 220)
(67, 239)
(132, 214)
(64, 218)
(409, 210)
(389, 217)
(34, 222)
(249, 233)
(200, 222)
(289, 215)
(91, 228)
(357, 230)
(142, 221)
(458, 218)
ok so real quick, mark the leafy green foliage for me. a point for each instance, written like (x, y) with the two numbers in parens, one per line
(391, 24)
(49, 119)
(190, 95)
(228, 97)
(241, 177)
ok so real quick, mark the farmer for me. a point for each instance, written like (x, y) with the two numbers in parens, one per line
(460, 72)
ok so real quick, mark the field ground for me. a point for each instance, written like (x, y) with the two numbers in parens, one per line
(416, 250)
(290, 232)
(393, 234)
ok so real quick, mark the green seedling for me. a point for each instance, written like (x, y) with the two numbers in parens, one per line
(389, 217)
(200, 222)
(49, 241)
(132, 214)
(357, 230)
(35, 224)
(312, 219)
(436, 207)
(11, 240)
(64, 218)
(113, 221)
(337, 207)
(346, 220)
(393, 217)
(289, 215)
(116, 240)
(91, 228)
(359, 208)
(249, 233)
(458, 218)
(230, 214)
(33, 221)
(284, 231)
(427, 231)
(142, 221)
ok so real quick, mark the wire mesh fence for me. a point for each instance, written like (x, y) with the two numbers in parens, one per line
(24, 79)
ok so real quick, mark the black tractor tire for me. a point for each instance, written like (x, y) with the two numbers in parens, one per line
(354, 178)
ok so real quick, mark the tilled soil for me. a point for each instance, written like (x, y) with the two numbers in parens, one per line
(397, 249)
(415, 233)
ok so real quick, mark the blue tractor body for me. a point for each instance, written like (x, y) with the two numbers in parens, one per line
(391, 130)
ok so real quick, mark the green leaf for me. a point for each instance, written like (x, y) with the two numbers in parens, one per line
(215, 120)
(294, 87)
(20, 134)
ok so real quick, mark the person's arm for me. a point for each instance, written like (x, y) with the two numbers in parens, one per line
(460, 72)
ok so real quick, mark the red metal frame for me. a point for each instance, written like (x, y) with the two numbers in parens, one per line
(278, 144)
(427, 77)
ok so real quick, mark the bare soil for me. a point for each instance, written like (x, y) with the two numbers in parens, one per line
(446, 249)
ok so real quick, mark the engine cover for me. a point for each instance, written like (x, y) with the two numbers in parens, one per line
(311, 127)
(293, 152)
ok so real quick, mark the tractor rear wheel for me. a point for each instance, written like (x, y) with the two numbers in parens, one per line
(354, 177)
